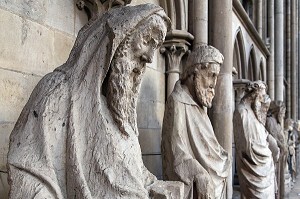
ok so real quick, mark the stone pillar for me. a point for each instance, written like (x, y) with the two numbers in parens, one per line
(222, 110)
(279, 41)
(271, 73)
(259, 17)
(298, 61)
(294, 64)
(174, 48)
(288, 58)
(200, 25)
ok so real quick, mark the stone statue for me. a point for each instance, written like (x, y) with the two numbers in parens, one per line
(255, 166)
(77, 136)
(274, 125)
(291, 141)
(288, 127)
(190, 150)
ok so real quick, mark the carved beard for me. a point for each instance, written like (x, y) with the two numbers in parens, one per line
(122, 93)
(261, 109)
(204, 95)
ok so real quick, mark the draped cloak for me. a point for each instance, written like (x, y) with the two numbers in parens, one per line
(65, 143)
(254, 159)
(189, 145)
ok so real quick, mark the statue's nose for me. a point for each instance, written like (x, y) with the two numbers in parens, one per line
(147, 58)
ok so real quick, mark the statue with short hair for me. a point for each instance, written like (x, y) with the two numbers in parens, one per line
(255, 166)
(77, 136)
(191, 152)
(274, 125)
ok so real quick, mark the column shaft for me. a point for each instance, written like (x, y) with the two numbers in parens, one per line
(293, 60)
(288, 58)
(200, 22)
(279, 40)
(271, 73)
(259, 17)
(221, 38)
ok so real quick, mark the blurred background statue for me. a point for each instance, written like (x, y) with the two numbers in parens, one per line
(254, 159)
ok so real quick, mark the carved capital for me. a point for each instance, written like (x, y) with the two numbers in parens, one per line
(176, 45)
(173, 55)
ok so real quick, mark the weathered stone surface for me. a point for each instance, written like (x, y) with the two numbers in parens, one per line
(35, 10)
(15, 90)
(56, 14)
(62, 45)
(77, 136)
(4, 187)
(61, 15)
(253, 157)
(80, 20)
(5, 129)
(36, 46)
(274, 126)
(166, 190)
(191, 152)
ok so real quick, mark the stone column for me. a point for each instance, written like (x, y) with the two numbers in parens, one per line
(174, 48)
(298, 60)
(200, 25)
(271, 73)
(279, 41)
(288, 58)
(294, 64)
(222, 110)
(259, 17)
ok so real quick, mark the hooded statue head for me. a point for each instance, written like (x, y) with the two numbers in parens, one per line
(110, 54)
(77, 116)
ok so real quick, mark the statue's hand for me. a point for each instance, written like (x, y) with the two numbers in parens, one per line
(205, 187)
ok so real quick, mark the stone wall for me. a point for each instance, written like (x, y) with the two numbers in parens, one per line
(35, 38)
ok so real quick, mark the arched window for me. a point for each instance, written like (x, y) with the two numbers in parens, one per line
(251, 71)
(239, 55)
(262, 74)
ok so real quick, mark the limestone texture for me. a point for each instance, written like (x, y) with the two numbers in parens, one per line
(77, 136)
(255, 166)
(190, 150)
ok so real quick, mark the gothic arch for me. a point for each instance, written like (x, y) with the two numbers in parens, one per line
(239, 57)
(252, 66)
(262, 71)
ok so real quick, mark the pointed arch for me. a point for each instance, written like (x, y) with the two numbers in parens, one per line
(239, 56)
(262, 70)
(252, 72)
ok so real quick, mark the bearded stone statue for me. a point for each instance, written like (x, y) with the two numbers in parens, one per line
(274, 125)
(190, 149)
(77, 136)
(255, 166)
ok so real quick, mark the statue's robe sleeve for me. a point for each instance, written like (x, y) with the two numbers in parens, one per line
(186, 167)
